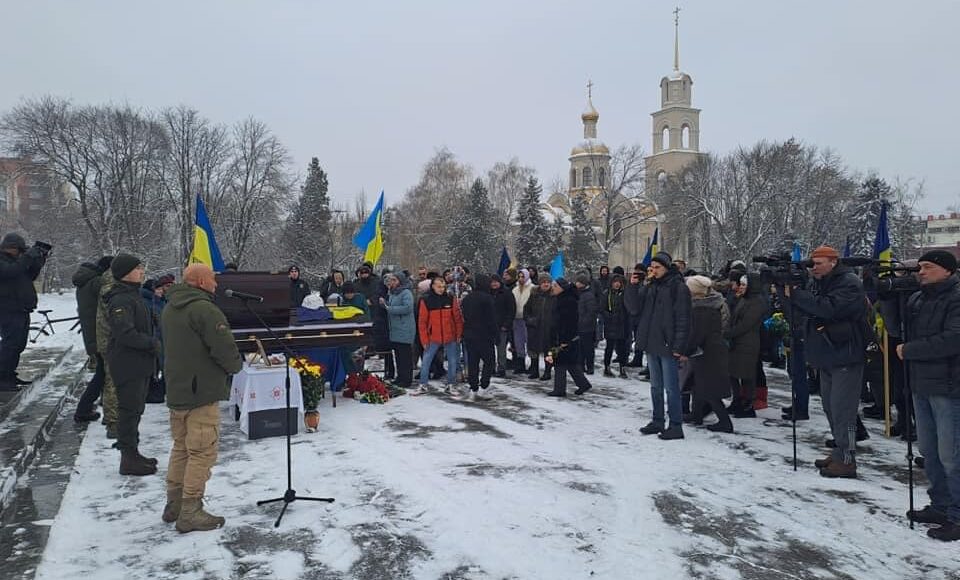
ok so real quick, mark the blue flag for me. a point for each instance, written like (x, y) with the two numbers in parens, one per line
(556, 267)
(847, 251)
(881, 245)
(797, 254)
(205, 249)
(370, 237)
(504, 262)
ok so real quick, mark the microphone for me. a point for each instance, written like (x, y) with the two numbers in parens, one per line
(230, 293)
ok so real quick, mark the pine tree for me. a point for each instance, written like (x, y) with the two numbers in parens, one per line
(555, 239)
(581, 251)
(307, 232)
(472, 242)
(532, 237)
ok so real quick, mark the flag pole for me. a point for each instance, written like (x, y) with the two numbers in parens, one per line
(886, 381)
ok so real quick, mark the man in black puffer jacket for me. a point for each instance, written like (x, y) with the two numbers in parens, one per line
(505, 306)
(836, 340)
(664, 306)
(480, 333)
(932, 355)
(87, 280)
(19, 267)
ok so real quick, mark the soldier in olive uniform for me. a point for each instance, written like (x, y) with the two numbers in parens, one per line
(109, 395)
(131, 355)
(200, 355)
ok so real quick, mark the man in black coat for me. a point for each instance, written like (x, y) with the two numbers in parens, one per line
(19, 267)
(505, 307)
(836, 340)
(664, 307)
(481, 331)
(564, 352)
(132, 355)
(932, 355)
(88, 279)
(299, 289)
(587, 310)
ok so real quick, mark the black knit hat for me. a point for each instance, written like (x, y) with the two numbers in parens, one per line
(13, 240)
(663, 259)
(618, 270)
(942, 258)
(104, 263)
(562, 282)
(123, 264)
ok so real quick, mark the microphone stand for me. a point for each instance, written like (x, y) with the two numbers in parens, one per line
(290, 495)
(908, 396)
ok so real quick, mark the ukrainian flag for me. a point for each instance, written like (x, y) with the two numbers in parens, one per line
(652, 249)
(505, 262)
(370, 237)
(205, 250)
(881, 245)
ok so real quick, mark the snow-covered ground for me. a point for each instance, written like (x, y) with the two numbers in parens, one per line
(524, 486)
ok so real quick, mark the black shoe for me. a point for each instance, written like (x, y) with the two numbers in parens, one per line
(582, 390)
(607, 372)
(744, 413)
(9, 387)
(928, 515)
(556, 394)
(534, 375)
(919, 462)
(862, 433)
(674, 432)
(502, 374)
(546, 376)
(720, 428)
(623, 373)
(588, 371)
(830, 444)
(22, 382)
(652, 428)
(945, 533)
(635, 362)
(788, 416)
(693, 420)
(644, 374)
(86, 417)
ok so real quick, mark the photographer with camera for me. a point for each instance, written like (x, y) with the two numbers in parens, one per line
(932, 355)
(19, 267)
(836, 338)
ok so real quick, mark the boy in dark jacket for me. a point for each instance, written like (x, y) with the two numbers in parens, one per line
(505, 307)
(564, 352)
(616, 325)
(480, 333)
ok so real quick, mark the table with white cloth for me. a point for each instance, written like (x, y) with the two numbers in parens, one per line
(261, 388)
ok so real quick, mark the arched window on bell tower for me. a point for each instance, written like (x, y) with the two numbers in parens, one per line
(587, 177)
(602, 177)
(685, 137)
(665, 137)
(573, 178)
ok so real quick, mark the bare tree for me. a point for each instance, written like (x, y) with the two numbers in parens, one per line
(505, 182)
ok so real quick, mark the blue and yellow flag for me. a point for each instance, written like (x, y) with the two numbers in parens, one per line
(847, 251)
(205, 249)
(370, 237)
(796, 255)
(881, 245)
(652, 248)
(505, 262)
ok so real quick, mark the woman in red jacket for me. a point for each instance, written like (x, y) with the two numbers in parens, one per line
(440, 325)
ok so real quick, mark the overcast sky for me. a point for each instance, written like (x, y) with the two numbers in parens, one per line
(374, 88)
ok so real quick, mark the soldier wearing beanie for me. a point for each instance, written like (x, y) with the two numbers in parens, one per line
(132, 352)
(933, 351)
(835, 337)
(19, 267)
(87, 279)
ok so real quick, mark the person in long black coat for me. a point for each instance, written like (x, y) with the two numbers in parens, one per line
(564, 352)
(743, 335)
(539, 317)
(707, 352)
(480, 334)
(616, 325)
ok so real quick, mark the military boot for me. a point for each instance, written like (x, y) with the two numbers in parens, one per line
(193, 518)
(151, 460)
(131, 464)
(171, 511)
(111, 430)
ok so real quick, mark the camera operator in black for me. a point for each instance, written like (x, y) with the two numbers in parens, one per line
(19, 267)
(836, 345)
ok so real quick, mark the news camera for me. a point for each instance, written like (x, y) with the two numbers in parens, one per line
(780, 269)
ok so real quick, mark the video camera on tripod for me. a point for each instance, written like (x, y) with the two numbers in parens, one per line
(886, 276)
(780, 269)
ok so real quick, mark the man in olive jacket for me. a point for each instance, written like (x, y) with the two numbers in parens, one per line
(87, 280)
(131, 355)
(200, 355)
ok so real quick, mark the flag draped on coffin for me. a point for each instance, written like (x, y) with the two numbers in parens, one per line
(205, 249)
(504, 262)
(370, 237)
(652, 248)
(881, 245)
(556, 267)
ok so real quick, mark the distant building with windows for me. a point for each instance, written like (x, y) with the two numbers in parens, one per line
(941, 232)
(27, 190)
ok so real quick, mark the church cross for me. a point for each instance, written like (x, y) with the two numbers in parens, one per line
(590, 89)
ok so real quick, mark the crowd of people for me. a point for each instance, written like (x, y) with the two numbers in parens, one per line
(698, 340)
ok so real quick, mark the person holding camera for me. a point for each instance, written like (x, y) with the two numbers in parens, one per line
(836, 335)
(932, 355)
(19, 267)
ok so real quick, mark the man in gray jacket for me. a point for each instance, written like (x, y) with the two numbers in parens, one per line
(932, 355)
